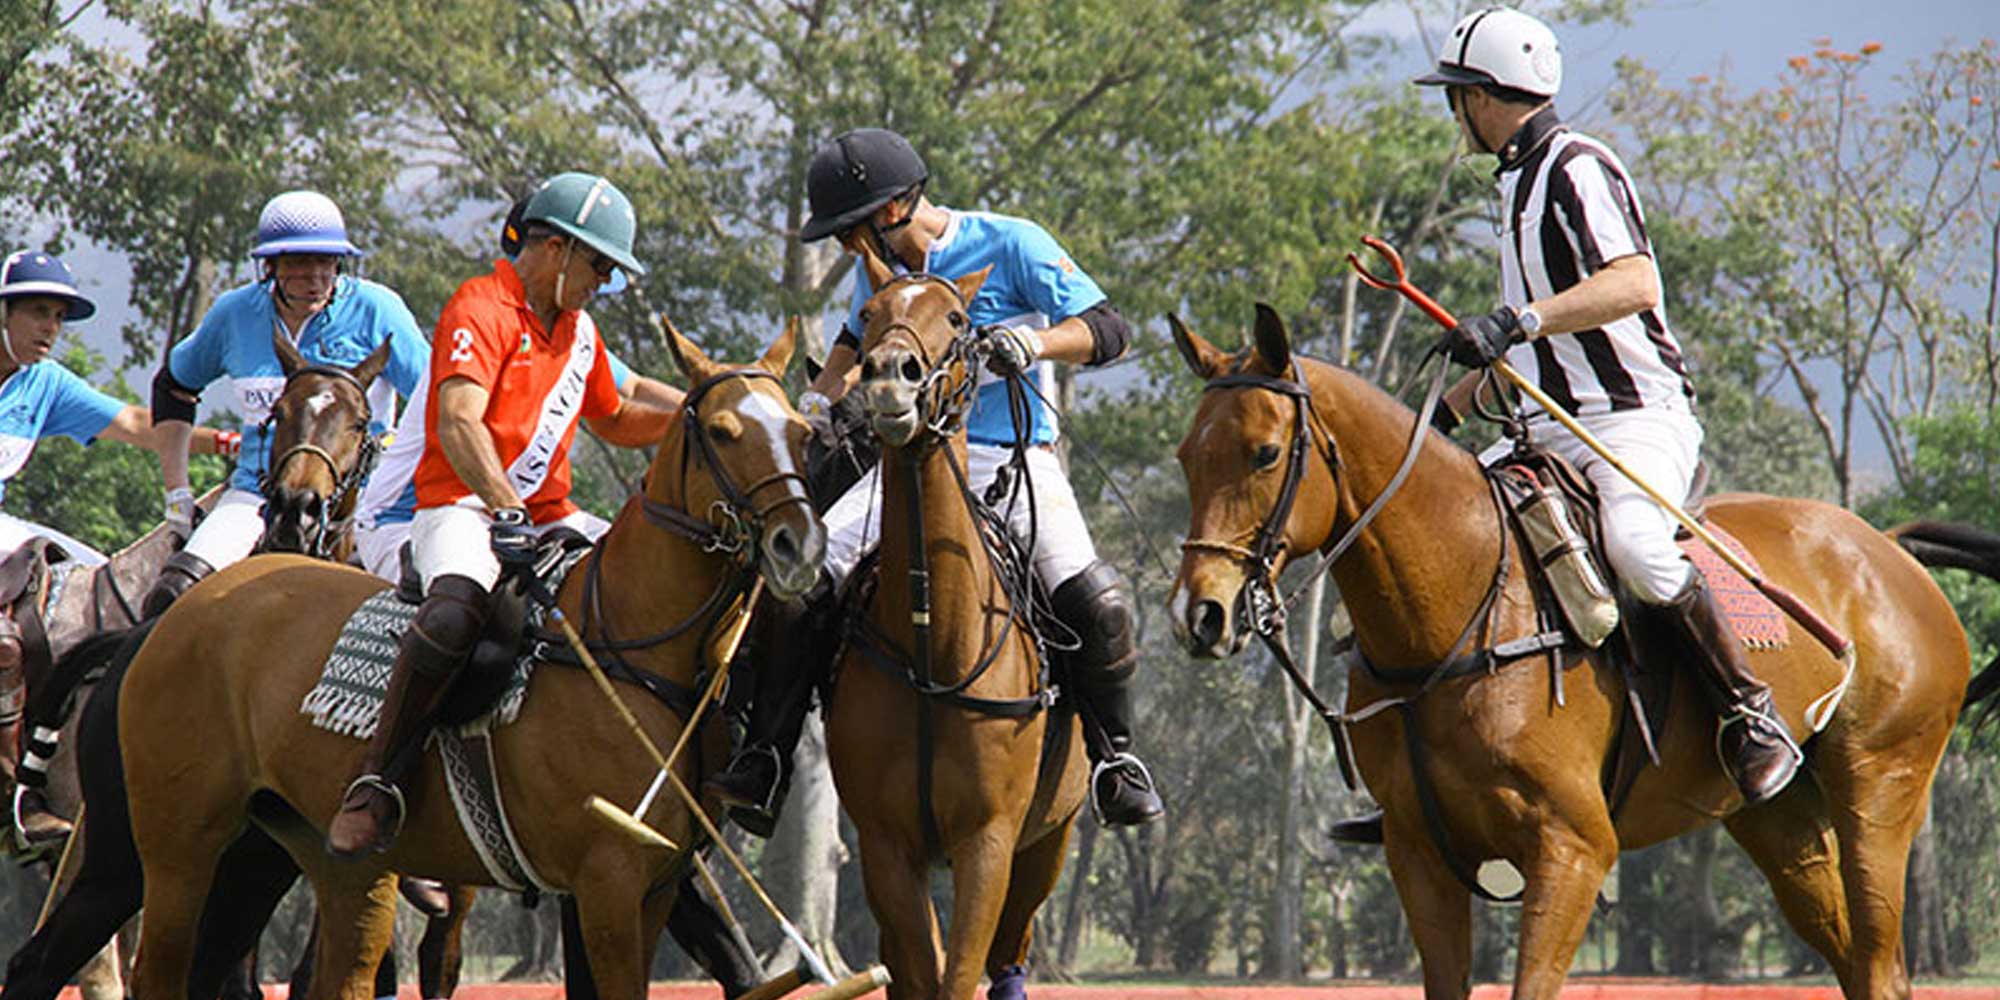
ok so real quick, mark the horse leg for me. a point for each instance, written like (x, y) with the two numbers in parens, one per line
(608, 919)
(251, 878)
(84, 921)
(357, 918)
(700, 930)
(1877, 805)
(1563, 875)
(981, 873)
(441, 951)
(1036, 870)
(1439, 910)
(180, 862)
(899, 894)
(1791, 840)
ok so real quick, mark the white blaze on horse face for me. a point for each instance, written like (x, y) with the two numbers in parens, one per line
(765, 412)
(319, 401)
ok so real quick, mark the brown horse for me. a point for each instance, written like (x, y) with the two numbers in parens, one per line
(214, 740)
(322, 450)
(926, 773)
(1514, 763)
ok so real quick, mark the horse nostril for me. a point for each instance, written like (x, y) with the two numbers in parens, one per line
(1209, 621)
(911, 370)
(868, 368)
(781, 545)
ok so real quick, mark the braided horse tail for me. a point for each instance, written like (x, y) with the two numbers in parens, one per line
(1941, 545)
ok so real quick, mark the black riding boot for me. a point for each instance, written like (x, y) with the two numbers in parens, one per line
(1096, 604)
(1752, 741)
(789, 649)
(183, 569)
(432, 651)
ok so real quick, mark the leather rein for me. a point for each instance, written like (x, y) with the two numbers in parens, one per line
(334, 513)
(733, 529)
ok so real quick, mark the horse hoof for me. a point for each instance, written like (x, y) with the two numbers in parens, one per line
(1011, 983)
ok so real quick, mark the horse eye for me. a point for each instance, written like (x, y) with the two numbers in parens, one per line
(957, 320)
(865, 317)
(1266, 455)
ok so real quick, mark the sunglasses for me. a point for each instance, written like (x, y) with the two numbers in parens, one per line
(601, 265)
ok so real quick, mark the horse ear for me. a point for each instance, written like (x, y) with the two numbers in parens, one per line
(778, 356)
(371, 366)
(693, 364)
(289, 358)
(878, 272)
(1274, 345)
(1203, 358)
(968, 286)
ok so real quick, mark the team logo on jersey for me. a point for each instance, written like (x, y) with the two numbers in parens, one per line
(1067, 267)
(527, 344)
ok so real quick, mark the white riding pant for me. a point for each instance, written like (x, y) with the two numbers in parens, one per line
(229, 531)
(1662, 447)
(15, 533)
(455, 540)
(1062, 541)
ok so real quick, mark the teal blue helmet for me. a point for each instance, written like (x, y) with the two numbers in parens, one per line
(591, 209)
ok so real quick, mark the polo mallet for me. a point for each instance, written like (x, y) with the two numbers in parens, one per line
(613, 814)
(61, 872)
(1839, 645)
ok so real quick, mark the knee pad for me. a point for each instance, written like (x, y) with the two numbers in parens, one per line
(1097, 605)
(183, 570)
(448, 624)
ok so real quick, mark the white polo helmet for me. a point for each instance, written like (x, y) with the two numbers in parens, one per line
(1504, 46)
(304, 222)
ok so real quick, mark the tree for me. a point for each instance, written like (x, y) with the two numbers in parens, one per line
(1859, 233)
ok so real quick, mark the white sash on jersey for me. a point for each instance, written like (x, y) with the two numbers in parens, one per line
(559, 412)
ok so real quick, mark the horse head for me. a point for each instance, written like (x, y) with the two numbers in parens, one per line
(1258, 495)
(321, 451)
(917, 372)
(738, 425)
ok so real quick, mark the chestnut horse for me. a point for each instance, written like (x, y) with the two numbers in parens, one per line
(214, 740)
(322, 449)
(1516, 765)
(1001, 789)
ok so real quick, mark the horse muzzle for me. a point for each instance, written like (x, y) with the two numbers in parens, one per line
(792, 555)
(1205, 626)
(892, 377)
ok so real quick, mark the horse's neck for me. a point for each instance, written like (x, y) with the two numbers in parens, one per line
(966, 602)
(1420, 570)
(648, 579)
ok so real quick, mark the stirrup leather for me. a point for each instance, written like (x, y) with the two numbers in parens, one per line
(386, 787)
(1114, 762)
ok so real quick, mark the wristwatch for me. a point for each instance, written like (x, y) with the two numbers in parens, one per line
(1530, 321)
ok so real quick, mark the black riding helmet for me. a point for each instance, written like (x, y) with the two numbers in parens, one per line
(855, 174)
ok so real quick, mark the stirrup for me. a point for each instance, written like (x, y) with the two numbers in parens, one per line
(1119, 759)
(386, 787)
(753, 750)
(1742, 716)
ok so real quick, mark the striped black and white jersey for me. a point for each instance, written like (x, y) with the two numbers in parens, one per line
(1570, 209)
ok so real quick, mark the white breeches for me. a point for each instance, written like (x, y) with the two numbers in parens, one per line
(1062, 541)
(229, 531)
(1662, 447)
(454, 540)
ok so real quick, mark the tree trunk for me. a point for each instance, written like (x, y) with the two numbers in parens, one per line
(1282, 959)
(1713, 951)
(1923, 914)
(1638, 913)
(801, 864)
(1079, 878)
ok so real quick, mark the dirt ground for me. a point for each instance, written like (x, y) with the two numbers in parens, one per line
(1594, 989)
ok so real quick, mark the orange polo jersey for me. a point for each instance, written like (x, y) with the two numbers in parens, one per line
(539, 385)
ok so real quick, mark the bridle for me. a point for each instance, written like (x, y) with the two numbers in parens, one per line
(333, 514)
(1264, 606)
(941, 406)
(732, 528)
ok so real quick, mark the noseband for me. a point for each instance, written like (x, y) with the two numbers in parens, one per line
(942, 408)
(346, 485)
(735, 525)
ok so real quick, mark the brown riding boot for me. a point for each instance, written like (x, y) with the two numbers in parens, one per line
(372, 809)
(27, 808)
(1752, 741)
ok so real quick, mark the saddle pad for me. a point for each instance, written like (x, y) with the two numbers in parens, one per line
(475, 794)
(348, 698)
(1757, 621)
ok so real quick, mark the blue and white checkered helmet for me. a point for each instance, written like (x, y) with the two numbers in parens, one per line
(31, 272)
(302, 222)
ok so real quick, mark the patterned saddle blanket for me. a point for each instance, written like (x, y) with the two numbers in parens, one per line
(1757, 621)
(348, 698)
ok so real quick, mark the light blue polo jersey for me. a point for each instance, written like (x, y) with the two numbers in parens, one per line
(1033, 284)
(391, 494)
(43, 400)
(234, 340)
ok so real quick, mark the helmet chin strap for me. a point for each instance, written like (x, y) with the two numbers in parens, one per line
(562, 273)
(7, 336)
